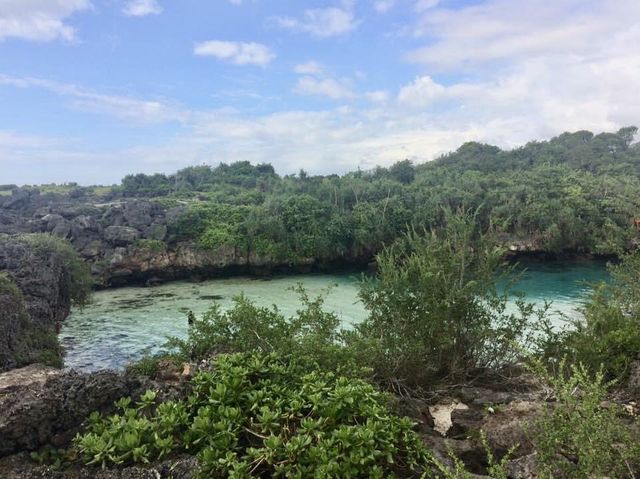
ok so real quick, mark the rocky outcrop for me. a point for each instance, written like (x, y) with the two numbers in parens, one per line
(42, 406)
(134, 241)
(34, 300)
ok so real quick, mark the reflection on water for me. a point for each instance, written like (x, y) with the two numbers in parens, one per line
(123, 324)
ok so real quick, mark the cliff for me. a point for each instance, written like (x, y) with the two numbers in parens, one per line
(35, 297)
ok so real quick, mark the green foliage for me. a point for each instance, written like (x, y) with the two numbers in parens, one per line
(312, 335)
(434, 309)
(609, 335)
(8, 286)
(577, 193)
(580, 436)
(150, 245)
(145, 366)
(257, 415)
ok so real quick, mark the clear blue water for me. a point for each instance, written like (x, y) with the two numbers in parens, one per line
(123, 324)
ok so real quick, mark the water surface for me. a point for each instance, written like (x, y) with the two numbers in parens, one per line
(122, 324)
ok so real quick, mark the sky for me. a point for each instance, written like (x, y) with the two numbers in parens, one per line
(92, 90)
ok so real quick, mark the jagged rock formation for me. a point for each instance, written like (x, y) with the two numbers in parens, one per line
(34, 300)
(128, 240)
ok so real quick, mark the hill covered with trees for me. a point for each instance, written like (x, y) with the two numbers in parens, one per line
(578, 192)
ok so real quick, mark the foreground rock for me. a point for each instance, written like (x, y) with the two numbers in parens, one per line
(45, 407)
(40, 406)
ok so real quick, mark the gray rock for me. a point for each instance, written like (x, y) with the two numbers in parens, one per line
(525, 467)
(121, 235)
(138, 214)
(37, 413)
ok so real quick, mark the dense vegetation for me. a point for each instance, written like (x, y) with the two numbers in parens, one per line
(577, 193)
(270, 403)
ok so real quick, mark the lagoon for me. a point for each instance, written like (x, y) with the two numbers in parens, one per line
(121, 325)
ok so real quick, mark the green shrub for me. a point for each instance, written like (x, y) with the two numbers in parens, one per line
(311, 335)
(151, 245)
(580, 436)
(609, 335)
(434, 311)
(257, 415)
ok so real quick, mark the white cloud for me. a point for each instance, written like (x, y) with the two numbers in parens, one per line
(309, 68)
(141, 8)
(322, 22)
(39, 20)
(123, 107)
(239, 53)
(383, 6)
(235, 2)
(424, 5)
(508, 30)
(421, 93)
(329, 87)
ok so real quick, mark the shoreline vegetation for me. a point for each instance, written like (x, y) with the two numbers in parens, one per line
(252, 393)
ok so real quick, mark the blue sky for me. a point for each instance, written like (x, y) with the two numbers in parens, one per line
(91, 90)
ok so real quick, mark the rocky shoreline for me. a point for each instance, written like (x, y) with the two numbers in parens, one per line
(43, 407)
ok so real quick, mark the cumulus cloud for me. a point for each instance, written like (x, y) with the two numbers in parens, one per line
(329, 87)
(39, 20)
(141, 8)
(322, 22)
(238, 53)
(421, 92)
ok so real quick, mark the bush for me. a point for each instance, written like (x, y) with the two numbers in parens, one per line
(580, 436)
(258, 415)
(311, 335)
(609, 335)
(434, 309)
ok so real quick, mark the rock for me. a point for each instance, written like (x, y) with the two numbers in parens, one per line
(21, 467)
(168, 371)
(483, 397)
(633, 383)
(86, 223)
(441, 414)
(92, 250)
(467, 451)
(50, 405)
(33, 308)
(121, 235)
(156, 232)
(506, 428)
(138, 214)
(18, 199)
(525, 467)
(465, 422)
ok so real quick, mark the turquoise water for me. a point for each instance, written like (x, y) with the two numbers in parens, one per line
(122, 324)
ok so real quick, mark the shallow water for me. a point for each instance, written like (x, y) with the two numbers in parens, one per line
(122, 324)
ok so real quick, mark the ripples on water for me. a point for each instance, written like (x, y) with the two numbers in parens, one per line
(122, 324)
